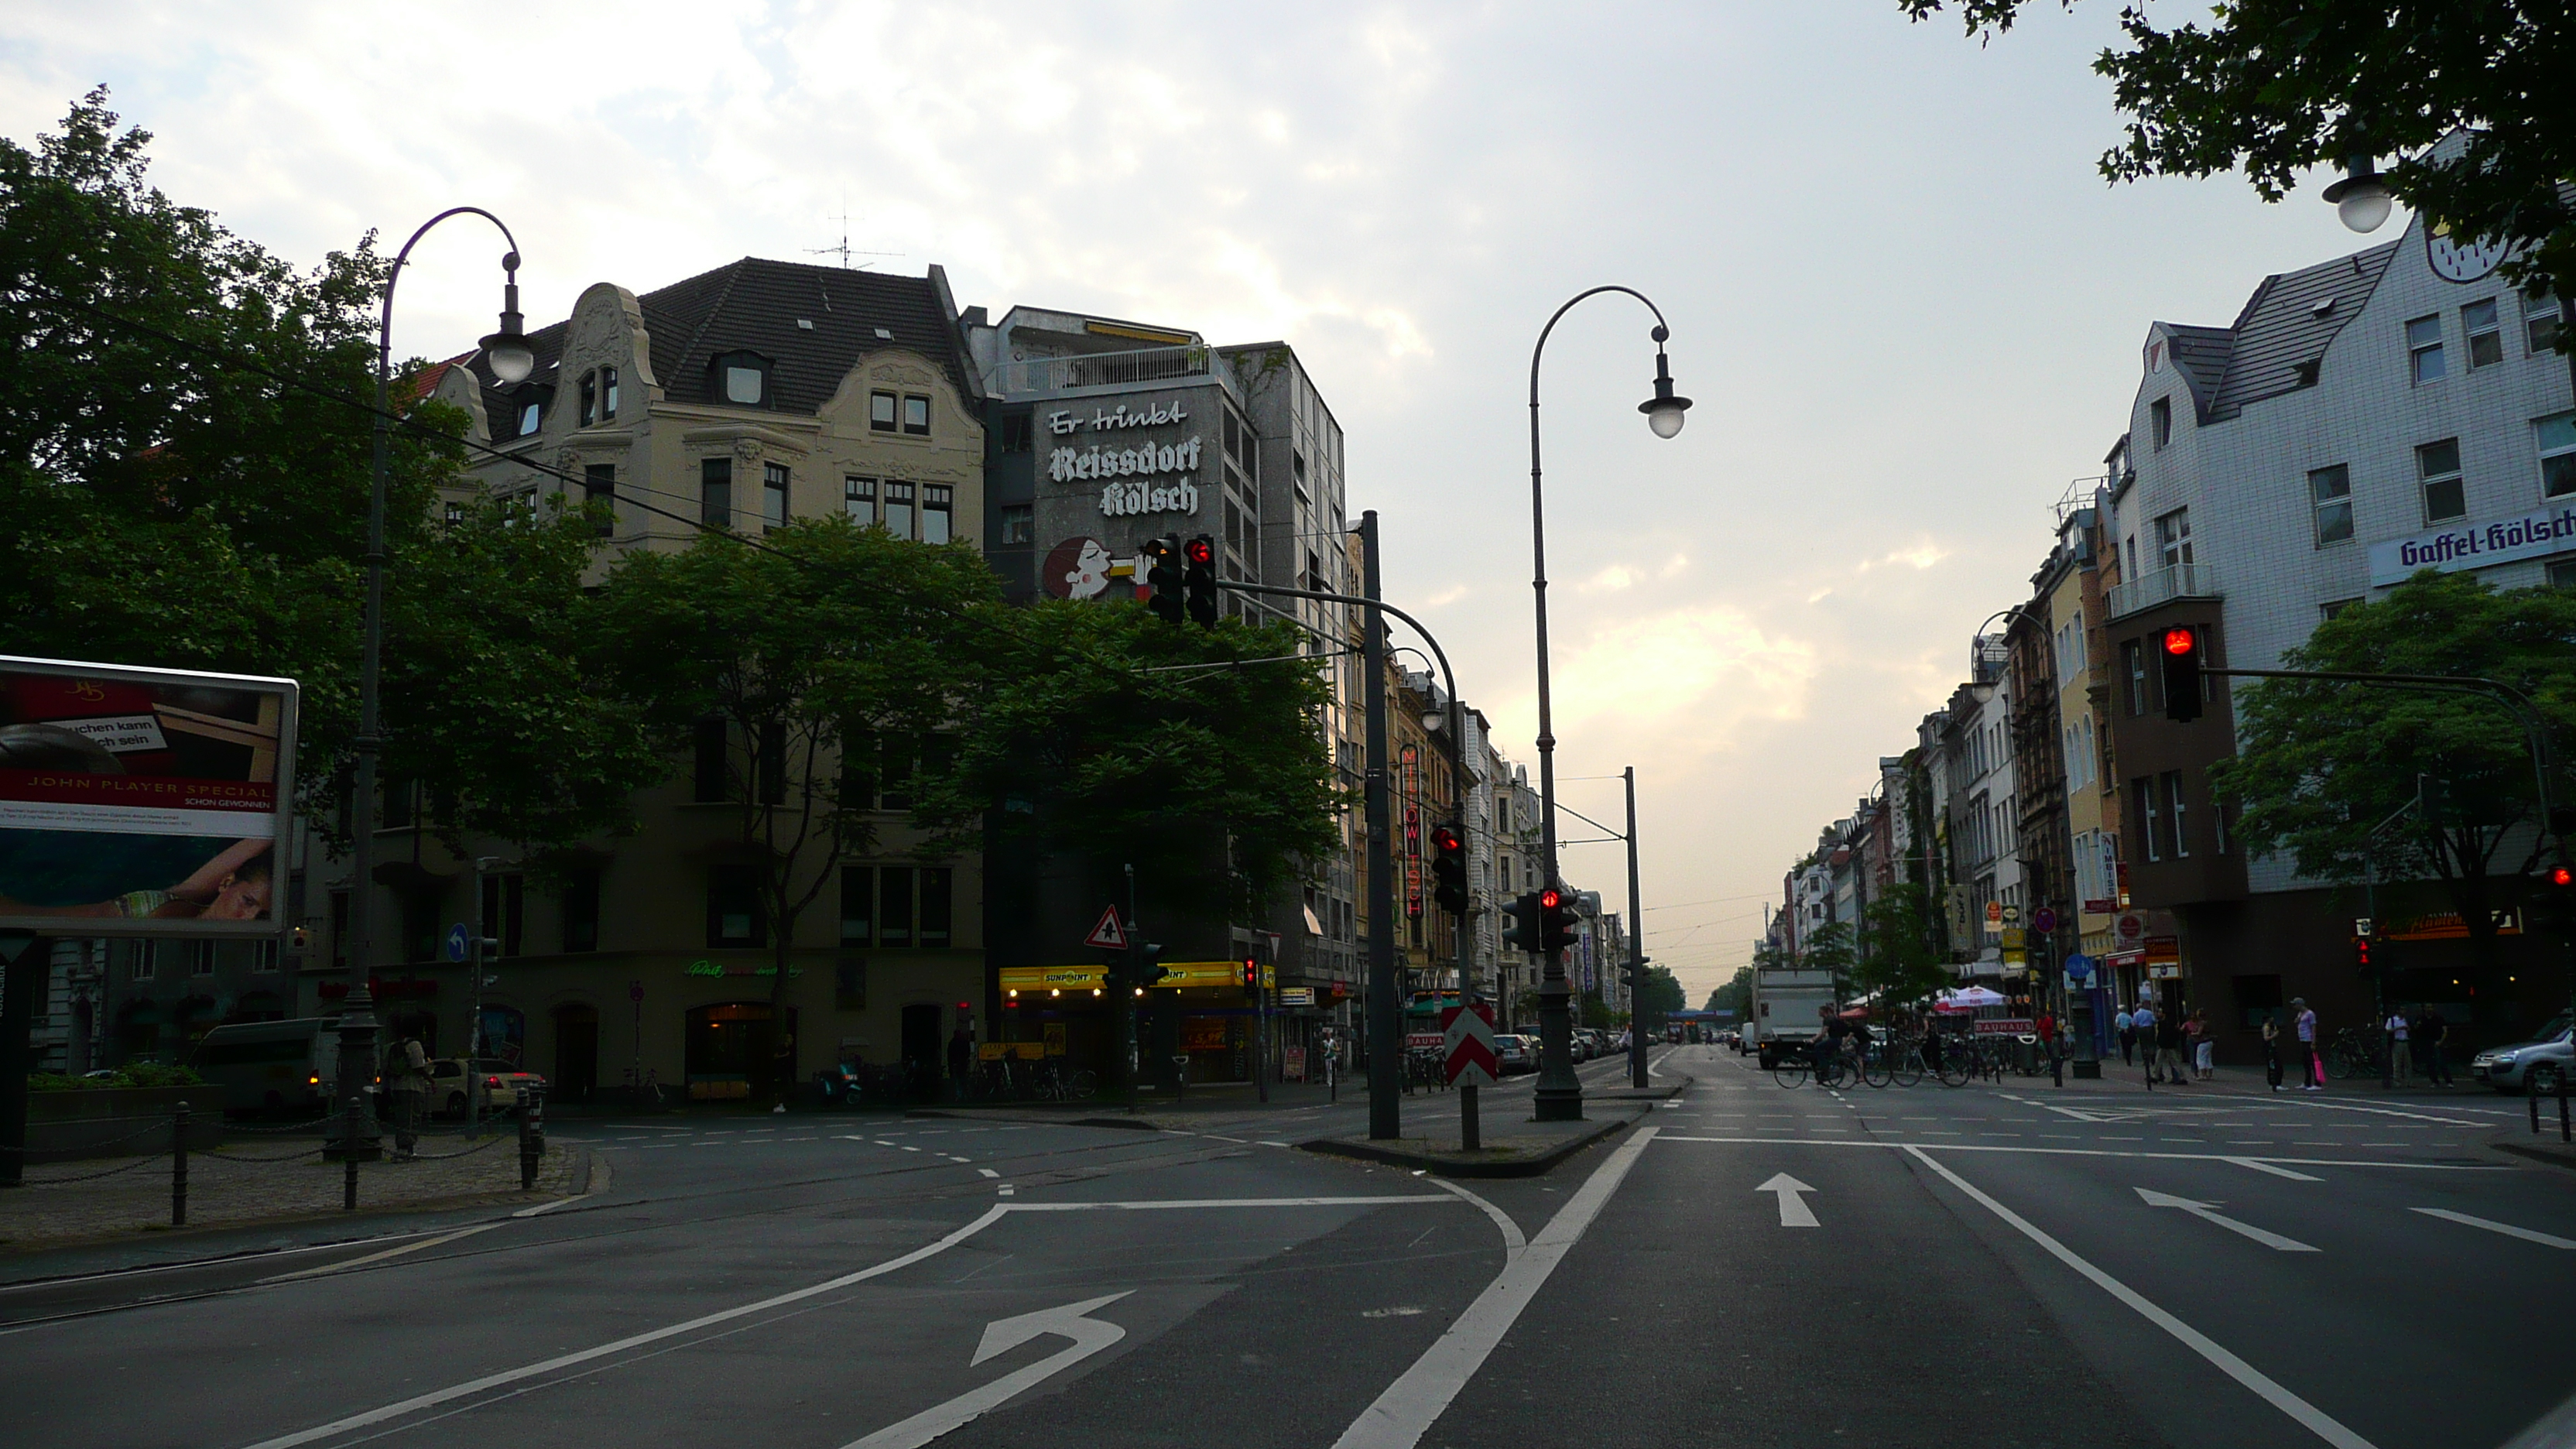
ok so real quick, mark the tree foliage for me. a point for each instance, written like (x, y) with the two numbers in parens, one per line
(2275, 87)
(170, 495)
(1900, 962)
(1834, 947)
(1659, 996)
(2321, 765)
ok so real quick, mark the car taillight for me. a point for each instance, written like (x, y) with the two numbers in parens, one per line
(491, 1081)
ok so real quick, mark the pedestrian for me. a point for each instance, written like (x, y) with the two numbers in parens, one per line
(407, 1078)
(2204, 1047)
(2272, 1049)
(2430, 1031)
(961, 1057)
(2142, 1030)
(2312, 1070)
(2127, 1027)
(2400, 1067)
(2170, 1038)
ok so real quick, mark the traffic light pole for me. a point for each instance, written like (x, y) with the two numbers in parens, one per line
(1636, 948)
(1124, 993)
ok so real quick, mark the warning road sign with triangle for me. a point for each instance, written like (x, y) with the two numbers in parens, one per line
(1109, 935)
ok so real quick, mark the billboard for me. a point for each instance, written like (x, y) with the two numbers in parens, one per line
(143, 802)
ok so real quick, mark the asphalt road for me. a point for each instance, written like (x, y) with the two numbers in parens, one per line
(1752, 1266)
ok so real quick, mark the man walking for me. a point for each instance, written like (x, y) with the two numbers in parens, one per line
(2169, 1044)
(2142, 1031)
(2400, 1063)
(407, 1077)
(2430, 1029)
(2311, 1070)
(2127, 1026)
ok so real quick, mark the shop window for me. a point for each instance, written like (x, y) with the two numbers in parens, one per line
(2330, 492)
(734, 914)
(2257, 999)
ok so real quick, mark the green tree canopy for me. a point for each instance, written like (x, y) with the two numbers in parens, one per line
(1834, 947)
(1659, 996)
(1900, 963)
(184, 466)
(2275, 87)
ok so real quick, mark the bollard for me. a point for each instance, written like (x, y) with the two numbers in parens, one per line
(179, 1166)
(532, 1137)
(2533, 1098)
(2563, 1134)
(1181, 1079)
(356, 1127)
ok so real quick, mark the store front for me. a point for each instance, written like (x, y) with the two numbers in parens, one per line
(732, 1054)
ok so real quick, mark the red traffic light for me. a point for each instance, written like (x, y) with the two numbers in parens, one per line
(1445, 839)
(1199, 551)
(1550, 899)
(2561, 875)
(2178, 641)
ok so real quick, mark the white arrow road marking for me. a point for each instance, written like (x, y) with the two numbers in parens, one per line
(2203, 1211)
(1794, 1212)
(1089, 1335)
(2508, 1229)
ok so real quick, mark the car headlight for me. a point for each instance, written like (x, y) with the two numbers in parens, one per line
(2505, 1059)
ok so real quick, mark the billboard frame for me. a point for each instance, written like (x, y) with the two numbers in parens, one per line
(278, 926)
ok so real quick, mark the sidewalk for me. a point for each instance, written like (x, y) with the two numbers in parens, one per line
(267, 1180)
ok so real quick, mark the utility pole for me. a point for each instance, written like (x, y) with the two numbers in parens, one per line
(1636, 948)
(1385, 1012)
(1122, 990)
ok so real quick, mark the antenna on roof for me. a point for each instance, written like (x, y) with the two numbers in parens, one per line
(843, 250)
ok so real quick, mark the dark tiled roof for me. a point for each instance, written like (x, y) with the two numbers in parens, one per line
(2282, 334)
(754, 305)
(2200, 354)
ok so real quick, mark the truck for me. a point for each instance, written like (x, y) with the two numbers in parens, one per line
(1783, 1018)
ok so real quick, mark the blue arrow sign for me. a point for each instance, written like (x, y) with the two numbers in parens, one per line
(460, 942)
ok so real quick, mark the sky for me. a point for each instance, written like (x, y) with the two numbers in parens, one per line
(1906, 304)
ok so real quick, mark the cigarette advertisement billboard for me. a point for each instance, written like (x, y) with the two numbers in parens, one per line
(143, 802)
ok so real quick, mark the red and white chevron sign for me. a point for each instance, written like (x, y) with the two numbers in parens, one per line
(1468, 1050)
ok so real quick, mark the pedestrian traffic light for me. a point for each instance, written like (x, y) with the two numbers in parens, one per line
(2179, 648)
(1527, 929)
(1198, 579)
(1163, 576)
(1449, 869)
(1556, 917)
(2361, 955)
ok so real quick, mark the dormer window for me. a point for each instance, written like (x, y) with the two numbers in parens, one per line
(531, 400)
(589, 399)
(742, 379)
(608, 394)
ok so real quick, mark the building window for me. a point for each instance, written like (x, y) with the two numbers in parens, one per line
(2486, 336)
(454, 513)
(2438, 465)
(894, 906)
(894, 773)
(708, 778)
(938, 512)
(2173, 808)
(858, 905)
(2173, 539)
(2160, 421)
(715, 492)
(589, 399)
(1018, 434)
(2333, 607)
(938, 884)
(531, 413)
(773, 494)
(742, 378)
(2330, 490)
(898, 508)
(734, 916)
(263, 955)
(599, 486)
(859, 499)
(505, 911)
(2557, 437)
(881, 412)
(2424, 350)
(608, 394)
(916, 415)
(200, 956)
(581, 910)
(1019, 523)
(2150, 821)
(2540, 322)
(2562, 575)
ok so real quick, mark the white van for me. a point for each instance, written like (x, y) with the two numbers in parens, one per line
(270, 1065)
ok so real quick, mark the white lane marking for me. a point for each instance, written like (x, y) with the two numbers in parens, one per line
(2088, 1152)
(1221, 1137)
(2308, 1415)
(2206, 1212)
(2259, 1165)
(953, 1157)
(2508, 1229)
(380, 1257)
(1794, 1212)
(1405, 1411)
(988, 1172)
(1089, 1335)
(1266, 1142)
(1513, 1242)
(2384, 1111)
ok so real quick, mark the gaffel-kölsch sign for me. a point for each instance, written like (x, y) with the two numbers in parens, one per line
(1146, 462)
(2475, 546)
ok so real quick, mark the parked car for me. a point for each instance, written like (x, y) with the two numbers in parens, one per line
(2537, 1065)
(504, 1085)
(1515, 1054)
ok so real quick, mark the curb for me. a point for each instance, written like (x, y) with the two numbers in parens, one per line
(1139, 1124)
(1519, 1167)
(2551, 1153)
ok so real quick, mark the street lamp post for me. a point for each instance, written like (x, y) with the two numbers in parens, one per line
(1560, 1095)
(511, 360)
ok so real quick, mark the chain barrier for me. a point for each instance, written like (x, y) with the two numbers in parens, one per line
(91, 1176)
(159, 1125)
(468, 1152)
(229, 1157)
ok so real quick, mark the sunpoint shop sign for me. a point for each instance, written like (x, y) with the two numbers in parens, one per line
(2475, 546)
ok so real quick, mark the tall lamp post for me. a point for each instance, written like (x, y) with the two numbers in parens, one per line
(1560, 1095)
(511, 360)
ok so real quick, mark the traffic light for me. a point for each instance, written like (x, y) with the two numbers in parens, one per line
(1527, 928)
(1556, 920)
(1449, 869)
(2558, 898)
(2179, 649)
(2432, 797)
(1145, 965)
(2361, 955)
(1251, 975)
(1198, 579)
(1163, 576)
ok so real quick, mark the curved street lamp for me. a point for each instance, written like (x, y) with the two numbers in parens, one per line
(1559, 1095)
(511, 359)
(2361, 198)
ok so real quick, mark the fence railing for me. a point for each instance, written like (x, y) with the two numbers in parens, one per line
(1099, 369)
(2182, 581)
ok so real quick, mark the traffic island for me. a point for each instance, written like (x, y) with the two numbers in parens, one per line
(1516, 1148)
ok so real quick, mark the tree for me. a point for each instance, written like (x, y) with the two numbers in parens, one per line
(1737, 994)
(1832, 947)
(789, 661)
(2274, 88)
(1658, 996)
(1900, 964)
(184, 470)
(2320, 765)
(1195, 754)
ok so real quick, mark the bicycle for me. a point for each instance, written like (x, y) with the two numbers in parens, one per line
(1055, 1085)
(2353, 1053)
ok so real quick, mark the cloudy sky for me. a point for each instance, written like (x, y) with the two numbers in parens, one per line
(1907, 305)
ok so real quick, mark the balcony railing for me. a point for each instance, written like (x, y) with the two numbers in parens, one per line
(1098, 369)
(2182, 581)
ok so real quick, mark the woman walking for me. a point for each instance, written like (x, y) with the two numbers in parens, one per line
(2203, 1047)
(2272, 1050)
